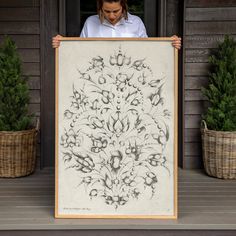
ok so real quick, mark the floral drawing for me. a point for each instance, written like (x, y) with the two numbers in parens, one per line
(116, 129)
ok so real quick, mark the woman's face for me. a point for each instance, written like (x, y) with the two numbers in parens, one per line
(112, 11)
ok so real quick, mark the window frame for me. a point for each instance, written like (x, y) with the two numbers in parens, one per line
(154, 17)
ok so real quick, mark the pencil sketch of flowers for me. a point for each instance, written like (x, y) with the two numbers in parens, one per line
(116, 129)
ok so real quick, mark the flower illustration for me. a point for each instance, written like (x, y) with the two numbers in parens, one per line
(150, 179)
(107, 96)
(116, 130)
(156, 159)
(115, 161)
(133, 150)
(118, 125)
(119, 60)
(99, 144)
(95, 122)
(70, 139)
(97, 63)
(79, 99)
(68, 114)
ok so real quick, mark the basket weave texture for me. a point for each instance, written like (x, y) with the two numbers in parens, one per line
(219, 153)
(17, 153)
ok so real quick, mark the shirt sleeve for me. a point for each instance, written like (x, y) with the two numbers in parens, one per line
(142, 30)
(84, 32)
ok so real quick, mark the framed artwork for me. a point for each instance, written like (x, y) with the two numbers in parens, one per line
(116, 128)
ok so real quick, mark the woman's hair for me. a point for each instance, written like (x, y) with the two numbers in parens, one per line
(123, 4)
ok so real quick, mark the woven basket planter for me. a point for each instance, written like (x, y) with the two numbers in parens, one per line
(219, 153)
(17, 153)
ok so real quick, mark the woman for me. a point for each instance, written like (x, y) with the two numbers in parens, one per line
(113, 20)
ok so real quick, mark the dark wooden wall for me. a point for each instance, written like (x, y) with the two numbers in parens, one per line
(205, 24)
(20, 19)
(174, 26)
(49, 27)
(31, 23)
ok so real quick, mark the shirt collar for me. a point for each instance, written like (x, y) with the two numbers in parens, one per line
(121, 22)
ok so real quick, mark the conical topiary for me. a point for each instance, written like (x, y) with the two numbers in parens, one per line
(14, 91)
(221, 91)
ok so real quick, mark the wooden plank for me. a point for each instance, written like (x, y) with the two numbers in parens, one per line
(34, 82)
(196, 69)
(207, 189)
(203, 41)
(34, 178)
(19, 14)
(21, 3)
(192, 162)
(34, 96)
(205, 179)
(220, 194)
(49, 183)
(192, 149)
(24, 41)
(25, 193)
(19, 27)
(11, 210)
(49, 13)
(196, 82)
(223, 185)
(134, 232)
(192, 135)
(194, 107)
(210, 3)
(34, 109)
(192, 121)
(209, 28)
(29, 55)
(30, 203)
(27, 188)
(172, 19)
(23, 214)
(194, 95)
(211, 14)
(31, 69)
(204, 209)
(204, 202)
(197, 55)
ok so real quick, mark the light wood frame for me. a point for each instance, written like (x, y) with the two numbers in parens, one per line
(174, 60)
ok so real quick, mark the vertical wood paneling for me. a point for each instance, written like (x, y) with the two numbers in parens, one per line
(205, 24)
(49, 28)
(172, 20)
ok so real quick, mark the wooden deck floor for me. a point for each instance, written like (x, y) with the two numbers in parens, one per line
(205, 203)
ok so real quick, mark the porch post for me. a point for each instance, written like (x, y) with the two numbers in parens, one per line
(48, 28)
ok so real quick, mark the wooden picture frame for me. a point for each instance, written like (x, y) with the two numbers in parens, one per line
(116, 128)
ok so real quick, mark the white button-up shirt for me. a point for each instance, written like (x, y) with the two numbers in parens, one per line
(132, 27)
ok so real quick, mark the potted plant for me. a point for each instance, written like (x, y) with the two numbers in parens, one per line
(219, 121)
(17, 137)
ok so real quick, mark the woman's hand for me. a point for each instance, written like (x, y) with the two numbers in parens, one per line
(56, 41)
(176, 42)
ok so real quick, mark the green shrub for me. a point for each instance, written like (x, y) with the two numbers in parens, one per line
(14, 91)
(221, 90)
